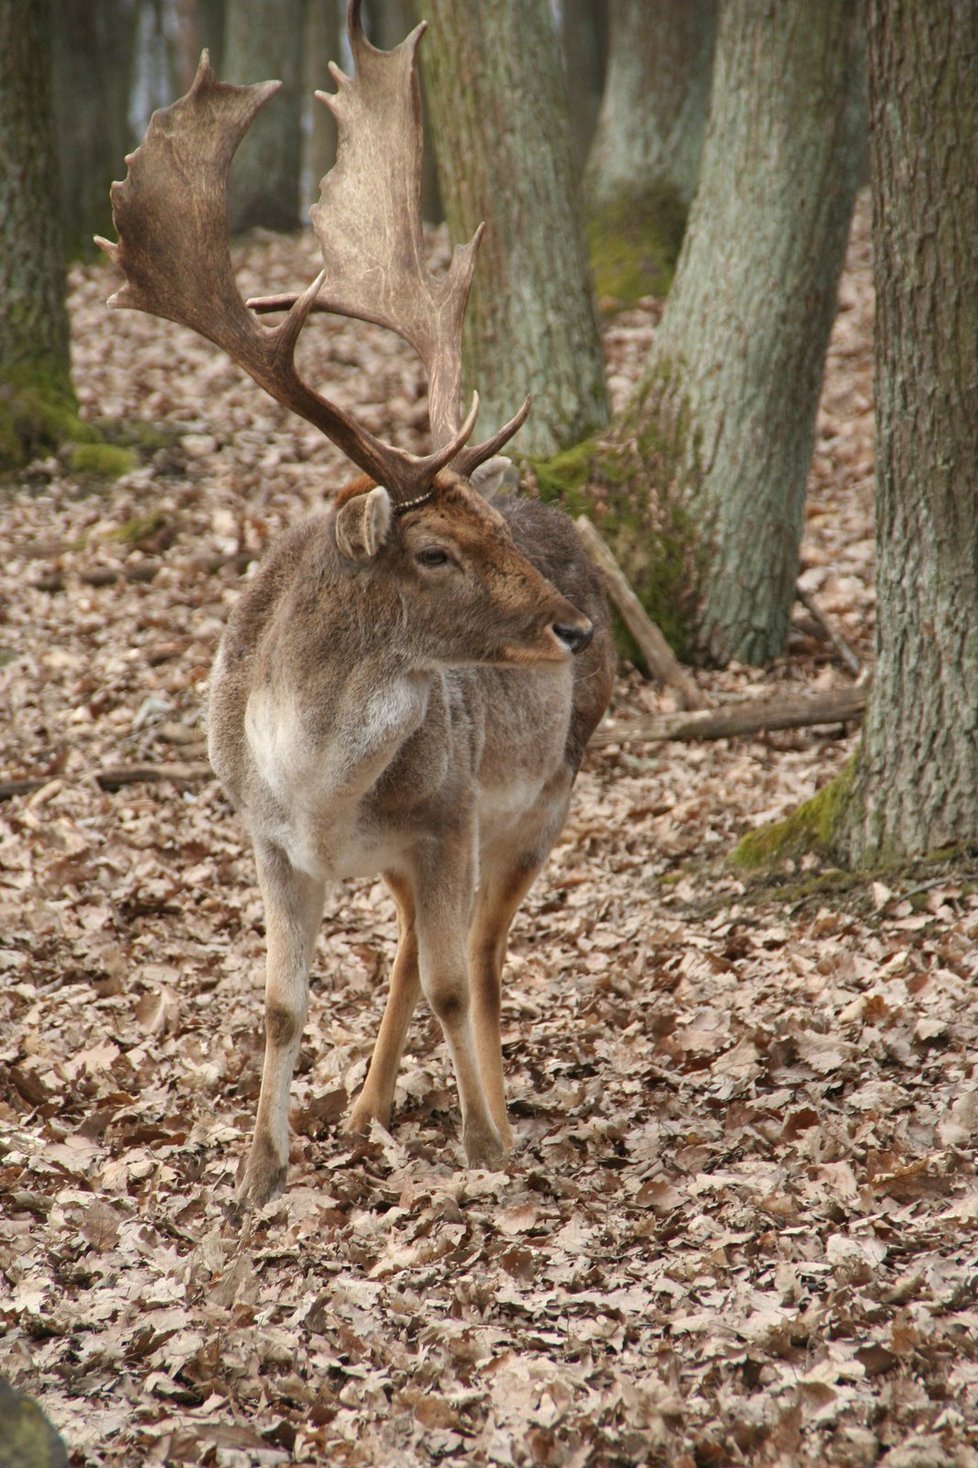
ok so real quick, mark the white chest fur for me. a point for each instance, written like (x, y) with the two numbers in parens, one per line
(318, 771)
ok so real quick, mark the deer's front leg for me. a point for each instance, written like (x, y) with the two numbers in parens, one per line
(293, 909)
(444, 892)
(376, 1100)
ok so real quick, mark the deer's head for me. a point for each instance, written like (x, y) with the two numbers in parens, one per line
(468, 595)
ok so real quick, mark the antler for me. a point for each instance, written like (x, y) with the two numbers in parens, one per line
(171, 216)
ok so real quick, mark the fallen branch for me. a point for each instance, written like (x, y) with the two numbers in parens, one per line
(144, 570)
(749, 717)
(659, 657)
(841, 648)
(114, 777)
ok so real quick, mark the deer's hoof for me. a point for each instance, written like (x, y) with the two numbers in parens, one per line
(264, 1179)
(363, 1113)
(484, 1148)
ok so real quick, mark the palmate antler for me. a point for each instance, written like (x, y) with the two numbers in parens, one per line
(171, 216)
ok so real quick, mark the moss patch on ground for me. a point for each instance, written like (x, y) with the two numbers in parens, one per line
(139, 529)
(103, 460)
(38, 414)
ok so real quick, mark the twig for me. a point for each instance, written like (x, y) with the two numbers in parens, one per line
(748, 717)
(659, 657)
(145, 570)
(842, 650)
(114, 777)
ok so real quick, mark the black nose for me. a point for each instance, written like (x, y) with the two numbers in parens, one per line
(575, 639)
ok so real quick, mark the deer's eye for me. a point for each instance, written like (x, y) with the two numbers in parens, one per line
(432, 556)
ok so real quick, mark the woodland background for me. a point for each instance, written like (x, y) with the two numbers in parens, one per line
(740, 1224)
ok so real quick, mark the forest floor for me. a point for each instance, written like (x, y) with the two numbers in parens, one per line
(741, 1222)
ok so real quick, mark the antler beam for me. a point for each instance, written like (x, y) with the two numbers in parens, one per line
(171, 215)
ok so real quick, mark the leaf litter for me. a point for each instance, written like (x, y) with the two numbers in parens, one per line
(740, 1223)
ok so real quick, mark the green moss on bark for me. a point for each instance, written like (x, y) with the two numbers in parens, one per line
(634, 245)
(650, 535)
(38, 413)
(812, 829)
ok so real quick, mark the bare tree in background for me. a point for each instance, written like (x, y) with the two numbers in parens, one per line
(321, 46)
(653, 114)
(721, 426)
(37, 405)
(584, 42)
(93, 44)
(263, 40)
(498, 104)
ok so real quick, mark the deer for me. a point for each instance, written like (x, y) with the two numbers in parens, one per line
(407, 684)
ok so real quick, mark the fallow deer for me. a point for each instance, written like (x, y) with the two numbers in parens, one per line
(408, 683)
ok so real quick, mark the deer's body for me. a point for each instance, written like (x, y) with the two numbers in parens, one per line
(346, 739)
(362, 732)
(408, 684)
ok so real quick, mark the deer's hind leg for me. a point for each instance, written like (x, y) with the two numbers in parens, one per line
(509, 865)
(293, 911)
(376, 1100)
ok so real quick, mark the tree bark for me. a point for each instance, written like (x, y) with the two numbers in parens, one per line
(498, 103)
(584, 43)
(916, 771)
(723, 418)
(34, 363)
(263, 40)
(321, 46)
(653, 114)
(93, 44)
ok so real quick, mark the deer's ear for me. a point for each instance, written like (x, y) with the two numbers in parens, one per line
(362, 523)
(497, 471)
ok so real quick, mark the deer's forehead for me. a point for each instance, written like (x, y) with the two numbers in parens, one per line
(465, 517)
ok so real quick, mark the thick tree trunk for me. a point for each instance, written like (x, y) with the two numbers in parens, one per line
(498, 103)
(723, 418)
(916, 773)
(34, 367)
(653, 115)
(264, 40)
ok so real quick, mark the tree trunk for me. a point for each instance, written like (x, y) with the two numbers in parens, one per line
(653, 115)
(93, 44)
(499, 111)
(584, 43)
(916, 772)
(321, 46)
(35, 387)
(722, 422)
(263, 40)
(201, 25)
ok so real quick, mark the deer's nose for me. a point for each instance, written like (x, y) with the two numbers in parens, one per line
(575, 639)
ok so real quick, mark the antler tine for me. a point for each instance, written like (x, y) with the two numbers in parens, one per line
(368, 223)
(171, 216)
